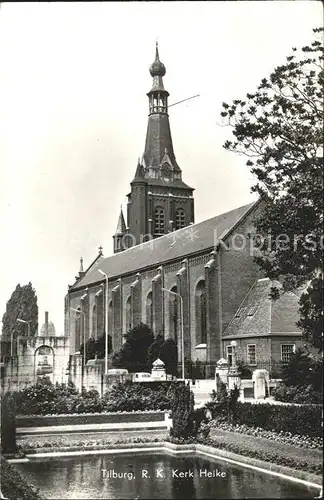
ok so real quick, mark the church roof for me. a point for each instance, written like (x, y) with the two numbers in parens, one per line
(259, 315)
(172, 246)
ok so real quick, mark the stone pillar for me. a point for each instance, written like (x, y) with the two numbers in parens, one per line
(260, 379)
(234, 379)
(158, 370)
(221, 371)
(212, 312)
(136, 300)
(183, 290)
(158, 301)
(117, 330)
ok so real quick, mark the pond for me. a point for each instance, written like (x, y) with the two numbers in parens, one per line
(153, 476)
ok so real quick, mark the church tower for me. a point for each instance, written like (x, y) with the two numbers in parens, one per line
(159, 201)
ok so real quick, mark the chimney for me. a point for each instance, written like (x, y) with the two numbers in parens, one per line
(46, 324)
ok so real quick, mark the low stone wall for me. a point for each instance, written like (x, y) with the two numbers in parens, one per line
(90, 418)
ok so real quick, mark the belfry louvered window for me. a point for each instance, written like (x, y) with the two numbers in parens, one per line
(159, 220)
(180, 218)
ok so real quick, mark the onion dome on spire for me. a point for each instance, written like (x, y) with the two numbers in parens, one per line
(157, 68)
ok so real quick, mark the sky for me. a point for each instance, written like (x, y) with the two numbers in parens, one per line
(73, 117)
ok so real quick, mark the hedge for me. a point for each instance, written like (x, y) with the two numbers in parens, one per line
(302, 420)
(14, 486)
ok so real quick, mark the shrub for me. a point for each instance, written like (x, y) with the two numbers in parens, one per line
(14, 486)
(8, 425)
(182, 411)
(244, 370)
(130, 396)
(297, 394)
(295, 419)
(303, 369)
(44, 398)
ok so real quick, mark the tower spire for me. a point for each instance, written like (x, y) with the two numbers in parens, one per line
(121, 226)
(158, 137)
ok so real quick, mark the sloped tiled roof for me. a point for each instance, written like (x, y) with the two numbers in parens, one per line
(121, 225)
(176, 245)
(158, 139)
(259, 315)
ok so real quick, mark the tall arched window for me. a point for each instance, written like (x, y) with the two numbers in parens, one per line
(128, 315)
(149, 310)
(94, 322)
(159, 222)
(174, 313)
(180, 218)
(201, 318)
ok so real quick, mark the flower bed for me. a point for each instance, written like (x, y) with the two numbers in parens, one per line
(283, 437)
(283, 457)
(103, 444)
(92, 418)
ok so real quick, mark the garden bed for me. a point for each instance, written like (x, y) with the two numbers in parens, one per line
(83, 446)
(89, 418)
(308, 460)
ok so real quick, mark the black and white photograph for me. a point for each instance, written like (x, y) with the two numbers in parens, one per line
(161, 298)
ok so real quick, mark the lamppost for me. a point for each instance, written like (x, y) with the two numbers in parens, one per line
(182, 336)
(106, 319)
(79, 311)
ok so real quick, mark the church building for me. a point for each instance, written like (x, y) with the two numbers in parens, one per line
(179, 277)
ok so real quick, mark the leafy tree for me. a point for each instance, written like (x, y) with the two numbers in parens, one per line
(182, 411)
(169, 356)
(311, 313)
(23, 305)
(302, 370)
(155, 350)
(279, 128)
(133, 353)
(96, 347)
(167, 351)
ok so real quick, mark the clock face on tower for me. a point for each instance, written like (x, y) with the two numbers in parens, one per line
(166, 171)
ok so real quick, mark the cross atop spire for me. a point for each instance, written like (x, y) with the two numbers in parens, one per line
(100, 249)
